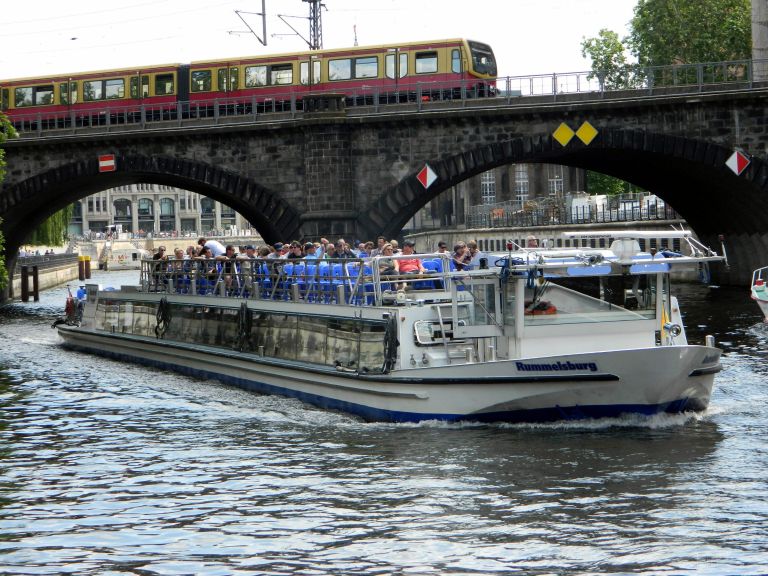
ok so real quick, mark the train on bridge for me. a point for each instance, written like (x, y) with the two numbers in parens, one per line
(426, 70)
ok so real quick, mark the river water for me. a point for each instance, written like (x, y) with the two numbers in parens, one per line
(108, 468)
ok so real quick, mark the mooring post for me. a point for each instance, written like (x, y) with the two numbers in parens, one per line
(25, 283)
(35, 284)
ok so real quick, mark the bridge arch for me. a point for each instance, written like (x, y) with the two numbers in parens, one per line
(687, 173)
(28, 203)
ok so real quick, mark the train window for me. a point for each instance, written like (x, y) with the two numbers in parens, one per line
(163, 84)
(93, 90)
(340, 69)
(43, 95)
(281, 74)
(389, 65)
(227, 79)
(68, 96)
(145, 86)
(4, 99)
(255, 76)
(426, 62)
(366, 67)
(456, 61)
(23, 97)
(304, 72)
(114, 88)
(201, 81)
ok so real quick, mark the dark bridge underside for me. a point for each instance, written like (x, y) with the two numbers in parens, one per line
(688, 174)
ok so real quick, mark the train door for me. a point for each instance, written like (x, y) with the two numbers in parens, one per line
(396, 69)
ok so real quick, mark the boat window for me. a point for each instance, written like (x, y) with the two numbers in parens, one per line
(591, 299)
(426, 62)
(430, 333)
(201, 81)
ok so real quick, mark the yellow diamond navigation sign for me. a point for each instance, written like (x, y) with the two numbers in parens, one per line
(586, 133)
(563, 134)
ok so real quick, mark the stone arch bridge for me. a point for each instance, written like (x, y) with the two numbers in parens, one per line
(354, 174)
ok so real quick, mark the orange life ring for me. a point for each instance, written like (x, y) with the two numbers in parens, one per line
(543, 308)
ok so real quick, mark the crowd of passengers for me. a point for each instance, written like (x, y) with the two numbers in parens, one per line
(212, 254)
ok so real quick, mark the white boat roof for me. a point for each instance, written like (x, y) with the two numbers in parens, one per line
(629, 234)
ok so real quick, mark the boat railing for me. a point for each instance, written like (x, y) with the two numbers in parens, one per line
(759, 276)
(349, 281)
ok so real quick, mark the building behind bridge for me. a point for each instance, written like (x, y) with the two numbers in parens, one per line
(157, 209)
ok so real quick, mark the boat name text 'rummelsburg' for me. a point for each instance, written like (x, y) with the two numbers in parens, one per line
(525, 367)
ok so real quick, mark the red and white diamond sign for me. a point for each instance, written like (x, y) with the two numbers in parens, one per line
(426, 176)
(738, 162)
(107, 163)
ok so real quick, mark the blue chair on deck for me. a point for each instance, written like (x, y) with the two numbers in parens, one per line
(298, 278)
(285, 281)
(431, 266)
(323, 281)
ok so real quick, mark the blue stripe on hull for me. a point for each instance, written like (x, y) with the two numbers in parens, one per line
(551, 414)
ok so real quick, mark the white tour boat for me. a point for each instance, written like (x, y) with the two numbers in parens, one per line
(538, 335)
(760, 290)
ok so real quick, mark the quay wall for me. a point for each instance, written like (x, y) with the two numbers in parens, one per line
(52, 272)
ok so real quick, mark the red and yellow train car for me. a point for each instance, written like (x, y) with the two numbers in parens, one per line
(439, 69)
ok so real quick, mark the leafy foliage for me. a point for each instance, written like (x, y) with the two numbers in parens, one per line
(6, 131)
(598, 183)
(53, 231)
(667, 32)
(609, 62)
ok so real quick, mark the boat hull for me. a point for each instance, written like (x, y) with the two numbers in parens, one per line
(644, 381)
(762, 301)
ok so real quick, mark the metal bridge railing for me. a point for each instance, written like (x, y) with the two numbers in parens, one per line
(628, 82)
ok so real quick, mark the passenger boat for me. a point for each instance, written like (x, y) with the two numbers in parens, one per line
(760, 291)
(124, 258)
(532, 335)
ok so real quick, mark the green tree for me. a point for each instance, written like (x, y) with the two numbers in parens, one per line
(664, 32)
(6, 131)
(53, 231)
(598, 183)
(609, 62)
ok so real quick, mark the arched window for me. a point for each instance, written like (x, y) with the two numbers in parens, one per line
(122, 208)
(167, 207)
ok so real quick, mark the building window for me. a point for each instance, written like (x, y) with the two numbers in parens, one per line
(145, 207)
(521, 182)
(167, 208)
(555, 183)
(488, 187)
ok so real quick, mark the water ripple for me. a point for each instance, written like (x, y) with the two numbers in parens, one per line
(108, 468)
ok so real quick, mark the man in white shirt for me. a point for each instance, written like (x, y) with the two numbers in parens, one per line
(216, 247)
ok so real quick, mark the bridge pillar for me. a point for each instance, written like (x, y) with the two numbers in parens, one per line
(330, 200)
(760, 40)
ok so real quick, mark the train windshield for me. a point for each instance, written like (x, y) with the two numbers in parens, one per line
(483, 60)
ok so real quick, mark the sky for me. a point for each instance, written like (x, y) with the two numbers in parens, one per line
(40, 37)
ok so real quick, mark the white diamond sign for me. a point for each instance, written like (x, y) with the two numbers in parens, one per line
(426, 176)
(738, 162)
